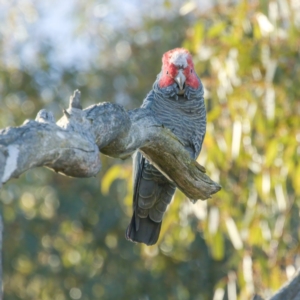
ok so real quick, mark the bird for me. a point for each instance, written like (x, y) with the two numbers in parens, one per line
(177, 102)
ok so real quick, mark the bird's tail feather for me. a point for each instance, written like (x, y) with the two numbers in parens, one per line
(147, 232)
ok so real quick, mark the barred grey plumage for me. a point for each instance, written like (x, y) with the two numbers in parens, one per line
(186, 117)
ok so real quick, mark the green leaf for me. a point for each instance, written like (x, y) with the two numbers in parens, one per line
(115, 172)
(198, 35)
(216, 30)
(217, 246)
(271, 153)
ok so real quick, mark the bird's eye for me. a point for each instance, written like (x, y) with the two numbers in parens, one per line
(191, 70)
(167, 72)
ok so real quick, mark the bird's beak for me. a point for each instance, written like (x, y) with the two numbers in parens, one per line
(180, 79)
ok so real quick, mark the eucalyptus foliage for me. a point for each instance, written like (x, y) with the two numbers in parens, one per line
(64, 238)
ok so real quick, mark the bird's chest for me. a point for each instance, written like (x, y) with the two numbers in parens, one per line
(178, 116)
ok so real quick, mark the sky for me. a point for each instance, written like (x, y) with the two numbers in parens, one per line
(29, 25)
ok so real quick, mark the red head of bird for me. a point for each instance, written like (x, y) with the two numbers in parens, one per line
(178, 67)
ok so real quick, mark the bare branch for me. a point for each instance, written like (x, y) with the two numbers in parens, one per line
(75, 100)
(71, 146)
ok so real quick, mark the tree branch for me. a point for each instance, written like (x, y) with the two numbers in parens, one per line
(71, 146)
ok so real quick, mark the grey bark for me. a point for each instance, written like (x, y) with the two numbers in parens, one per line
(71, 146)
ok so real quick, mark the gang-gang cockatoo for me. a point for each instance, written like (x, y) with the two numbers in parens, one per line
(176, 100)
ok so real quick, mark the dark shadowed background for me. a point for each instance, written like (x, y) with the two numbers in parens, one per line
(64, 237)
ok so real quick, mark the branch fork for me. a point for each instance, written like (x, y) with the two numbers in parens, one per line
(71, 146)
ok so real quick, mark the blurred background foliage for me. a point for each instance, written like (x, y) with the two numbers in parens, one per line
(64, 237)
